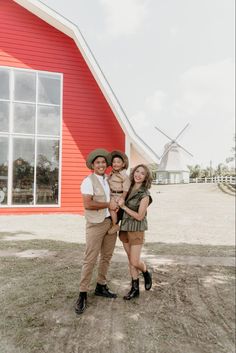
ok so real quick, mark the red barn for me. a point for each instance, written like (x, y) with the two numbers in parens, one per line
(55, 107)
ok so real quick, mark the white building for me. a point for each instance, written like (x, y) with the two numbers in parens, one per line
(172, 168)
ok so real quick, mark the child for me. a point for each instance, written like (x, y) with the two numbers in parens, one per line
(119, 183)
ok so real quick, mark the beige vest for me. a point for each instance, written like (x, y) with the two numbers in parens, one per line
(96, 216)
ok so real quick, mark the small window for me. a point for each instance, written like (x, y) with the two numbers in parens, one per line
(4, 116)
(4, 84)
(24, 118)
(49, 89)
(48, 120)
(25, 86)
(3, 170)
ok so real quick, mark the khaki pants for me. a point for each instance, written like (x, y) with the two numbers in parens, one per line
(97, 242)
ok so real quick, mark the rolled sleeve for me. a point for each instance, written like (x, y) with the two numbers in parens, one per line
(126, 183)
(86, 187)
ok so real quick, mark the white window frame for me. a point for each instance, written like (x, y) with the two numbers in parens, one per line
(10, 134)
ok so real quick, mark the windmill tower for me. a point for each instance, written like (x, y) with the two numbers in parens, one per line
(172, 168)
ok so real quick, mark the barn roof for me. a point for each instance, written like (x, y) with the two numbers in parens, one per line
(70, 29)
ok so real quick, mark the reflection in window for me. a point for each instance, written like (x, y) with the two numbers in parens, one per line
(24, 118)
(25, 86)
(23, 171)
(4, 84)
(48, 120)
(4, 116)
(3, 169)
(47, 171)
(49, 89)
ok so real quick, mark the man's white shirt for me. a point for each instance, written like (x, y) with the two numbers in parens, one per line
(86, 188)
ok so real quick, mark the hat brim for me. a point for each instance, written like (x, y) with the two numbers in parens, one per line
(99, 152)
(120, 154)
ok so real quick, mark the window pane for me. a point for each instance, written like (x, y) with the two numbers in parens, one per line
(4, 84)
(3, 169)
(49, 89)
(4, 116)
(48, 120)
(23, 171)
(47, 172)
(24, 118)
(25, 86)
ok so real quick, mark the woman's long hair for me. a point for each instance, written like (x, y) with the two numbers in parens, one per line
(148, 179)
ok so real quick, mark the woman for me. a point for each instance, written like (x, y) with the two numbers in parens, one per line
(133, 225)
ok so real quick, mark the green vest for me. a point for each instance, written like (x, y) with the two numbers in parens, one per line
(133, 200)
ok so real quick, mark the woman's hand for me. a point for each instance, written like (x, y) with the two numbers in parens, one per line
(121, 202)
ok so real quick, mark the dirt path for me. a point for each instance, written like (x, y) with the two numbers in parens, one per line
(190, 308)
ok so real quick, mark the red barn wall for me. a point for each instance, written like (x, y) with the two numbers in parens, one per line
(26, 41)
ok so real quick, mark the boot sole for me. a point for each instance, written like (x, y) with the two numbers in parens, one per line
(105, 296)
(136, 296)
(79, 312)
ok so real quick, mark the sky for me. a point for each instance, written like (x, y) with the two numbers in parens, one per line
(170, 63)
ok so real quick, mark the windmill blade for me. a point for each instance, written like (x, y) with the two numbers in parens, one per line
(182, 131)
(171, 144)
(167, 150)
(163, 133)
(184, 149)
(174, 141)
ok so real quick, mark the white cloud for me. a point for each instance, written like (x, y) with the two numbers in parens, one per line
(153, 106)
(174, 32)
(139, 120)
(124, 17)
(208, 90)
(156, 101)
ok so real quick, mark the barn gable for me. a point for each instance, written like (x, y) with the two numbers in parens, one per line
(36, 42)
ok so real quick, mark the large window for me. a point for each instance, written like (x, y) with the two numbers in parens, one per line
(30, 137)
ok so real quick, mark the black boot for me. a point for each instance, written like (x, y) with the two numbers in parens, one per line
(134, 291)
(147, 280)
(81, 303)
(103, 291)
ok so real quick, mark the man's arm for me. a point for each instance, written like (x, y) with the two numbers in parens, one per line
(90, 204)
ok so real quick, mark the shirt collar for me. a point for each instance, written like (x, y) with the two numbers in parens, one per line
(101, 177)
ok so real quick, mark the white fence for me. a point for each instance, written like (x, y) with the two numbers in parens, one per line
(217, 179)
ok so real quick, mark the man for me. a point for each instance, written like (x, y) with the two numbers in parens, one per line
(96, 199)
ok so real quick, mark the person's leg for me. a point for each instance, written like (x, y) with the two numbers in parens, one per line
(134, 291)
(126, 247)
(135, 252)
(114, 226)
(93, 245)
(107, 248)
(94, 239)
(113, 217)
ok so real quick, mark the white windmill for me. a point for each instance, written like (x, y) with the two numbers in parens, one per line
(172, 168)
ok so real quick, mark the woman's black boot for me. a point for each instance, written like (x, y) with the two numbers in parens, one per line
(134, 291)
(81, 303)
(147, 280)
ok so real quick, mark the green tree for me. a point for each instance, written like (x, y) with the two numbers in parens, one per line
(195, 171)
(233, 151)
